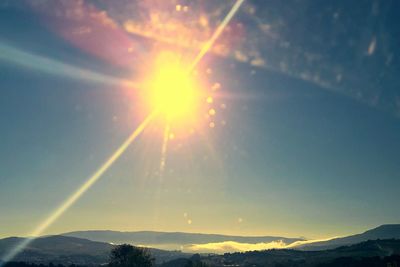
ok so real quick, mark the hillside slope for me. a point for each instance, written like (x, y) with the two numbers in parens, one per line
(67, 250)
(386, 231)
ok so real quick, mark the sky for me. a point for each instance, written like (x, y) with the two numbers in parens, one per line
(304, 142)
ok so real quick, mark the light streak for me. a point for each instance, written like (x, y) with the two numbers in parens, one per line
(79, 192)
(216, 34)
(50, 66)
(164, 148)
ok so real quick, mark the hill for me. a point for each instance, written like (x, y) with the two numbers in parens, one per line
(386, 231)
(71, 250)
(59, 249)
(290, 257)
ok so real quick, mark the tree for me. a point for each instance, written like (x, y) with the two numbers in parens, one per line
(129, 256)
(191, 263)
(195, 261)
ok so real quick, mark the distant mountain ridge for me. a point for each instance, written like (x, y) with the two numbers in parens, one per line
(386, 231)
(180, 240)
(163, 238)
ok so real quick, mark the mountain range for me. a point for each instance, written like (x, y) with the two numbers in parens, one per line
(173, 240)
(194, 242)
(93, 247)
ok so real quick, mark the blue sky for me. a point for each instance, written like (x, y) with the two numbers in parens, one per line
(301, 152)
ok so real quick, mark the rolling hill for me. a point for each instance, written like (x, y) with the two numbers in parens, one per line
(67, 250)
(386, 231)
(367, 251)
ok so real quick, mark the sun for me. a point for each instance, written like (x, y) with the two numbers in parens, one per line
(171, 88)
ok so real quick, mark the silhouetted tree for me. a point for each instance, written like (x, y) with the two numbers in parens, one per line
(191, 263)
(129, 256)
(195, 261)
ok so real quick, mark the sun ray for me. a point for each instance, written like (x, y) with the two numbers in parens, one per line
(50, 66)
(216, 34)
(164, 148)
(79, 192)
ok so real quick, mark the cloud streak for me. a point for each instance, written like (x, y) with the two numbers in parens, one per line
(50, 66)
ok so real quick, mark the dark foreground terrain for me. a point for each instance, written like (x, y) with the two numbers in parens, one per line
(373, 253)
(67, 251)
(369, 253)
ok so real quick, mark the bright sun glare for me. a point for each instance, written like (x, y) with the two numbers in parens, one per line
(172, 90)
